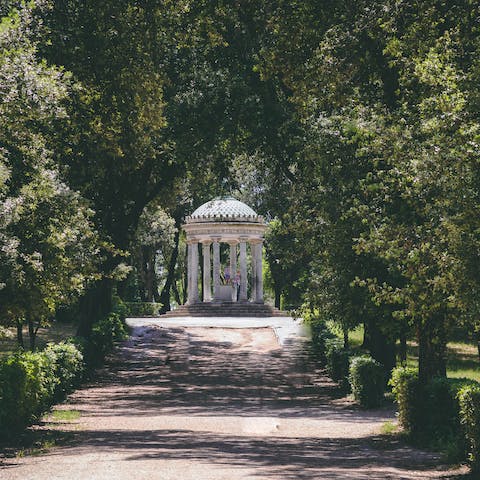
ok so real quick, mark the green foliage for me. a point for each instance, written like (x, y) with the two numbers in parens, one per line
(367, 381)
(441, 416)
(469, 400)
(105, 333)
(405, 385)
(48, 246)
(433, 414)
(154, 244)
(320, 333)
(385, 197)
(68, 367)
(120, 308)
(338, 362)
(31, 382)
(143, 309)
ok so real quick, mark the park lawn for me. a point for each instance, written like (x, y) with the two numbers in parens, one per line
(462, 357)
(56, 333)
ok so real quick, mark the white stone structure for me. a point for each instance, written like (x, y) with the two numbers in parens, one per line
(225, 220)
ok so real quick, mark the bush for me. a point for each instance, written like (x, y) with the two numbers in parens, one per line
(23, 391)
(469, 402)
(105, 333)
(432, 414)
(405, 386)
(440, 422)
(143, 309)
(338, 361)
(321, 334)
(30, 382)
(120, 307)
(68, 367)
(367, 381)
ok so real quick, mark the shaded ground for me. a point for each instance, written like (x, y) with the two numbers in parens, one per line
(217, 403)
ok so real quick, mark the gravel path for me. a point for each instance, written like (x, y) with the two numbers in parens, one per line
(216, 403)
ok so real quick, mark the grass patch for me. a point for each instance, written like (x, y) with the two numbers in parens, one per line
(355, 337)
(388, 428)
(56, 333)
(65, 415)
(462, 359)
(39, 449)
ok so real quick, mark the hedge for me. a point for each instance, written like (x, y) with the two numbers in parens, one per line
(469, 402)
(405, 386)
(338, 362)
(367, 381)
(443, 414)
(31, 382)
(321, 335)
(143, 309)
(105, 333)
(69, 367)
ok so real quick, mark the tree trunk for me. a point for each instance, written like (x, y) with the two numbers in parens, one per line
(432, 349)
(149, 265)
(477, 336)
(345, 338)
(156, 294)
(402, 352)
(165, 295)
(31, 333)
(176, 293)
(20, 333)
(278, 297)
(184, 290)
(380, 346)
(94, 305)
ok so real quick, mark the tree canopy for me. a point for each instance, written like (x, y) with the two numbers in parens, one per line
(353, 127)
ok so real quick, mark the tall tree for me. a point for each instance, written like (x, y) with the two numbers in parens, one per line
(47, 241)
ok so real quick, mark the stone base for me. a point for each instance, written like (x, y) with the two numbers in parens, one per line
(226, 309)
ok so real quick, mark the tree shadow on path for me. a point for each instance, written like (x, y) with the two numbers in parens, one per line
(184, 375)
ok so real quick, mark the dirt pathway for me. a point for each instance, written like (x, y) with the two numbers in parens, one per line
(216, 403)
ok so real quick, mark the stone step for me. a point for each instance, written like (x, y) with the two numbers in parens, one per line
(226, 309)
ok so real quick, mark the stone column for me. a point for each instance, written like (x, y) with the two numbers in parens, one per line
(259, 274)
(216, 267)
(253, 263)
(189, 271)
(207, 270)
(233, 268)
(193, 269)
(243, 270)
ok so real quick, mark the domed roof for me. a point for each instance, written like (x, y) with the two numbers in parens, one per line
(224, 209)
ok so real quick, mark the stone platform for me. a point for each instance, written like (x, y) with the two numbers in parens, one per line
(226, 309)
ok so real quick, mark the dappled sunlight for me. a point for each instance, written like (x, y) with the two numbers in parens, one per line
(218, 403)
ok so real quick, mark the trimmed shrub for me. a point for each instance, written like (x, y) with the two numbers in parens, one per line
(405, 387)
(22, 391)
(367, 381)
(120, 307)
(432, 413)
(105, 333)
(143, 309)
(321, 334)
(30, 382)
(68, 367)
(338, 362)
(469, 402)
(440, 422)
